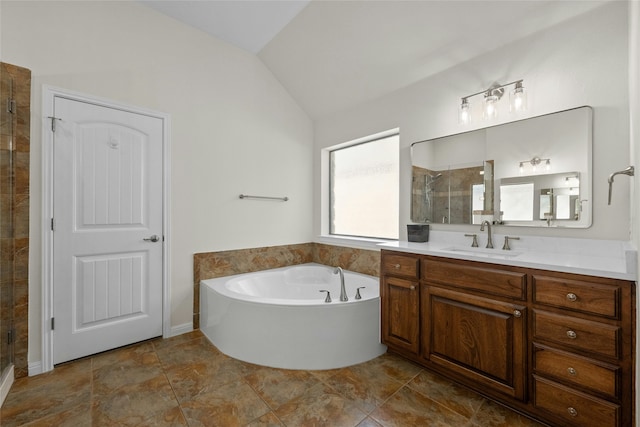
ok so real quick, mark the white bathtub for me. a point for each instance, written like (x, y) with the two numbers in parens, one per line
(278, 317)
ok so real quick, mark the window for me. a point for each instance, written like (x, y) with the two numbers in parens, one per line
(364, 187)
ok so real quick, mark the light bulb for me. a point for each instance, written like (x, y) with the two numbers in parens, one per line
(464, 115)
(548, 165)
(521, 167)
(518, 98)
(490, 106)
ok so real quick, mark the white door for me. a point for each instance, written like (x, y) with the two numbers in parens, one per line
(108, 228)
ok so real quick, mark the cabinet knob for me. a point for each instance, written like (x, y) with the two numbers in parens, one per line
(572, 335)
(572, 411)
(572, 372)
(572, 297)
(397, 266)
(517, 313)
(412, 287)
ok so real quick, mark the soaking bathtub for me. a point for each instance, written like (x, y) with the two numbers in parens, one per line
(279, 317)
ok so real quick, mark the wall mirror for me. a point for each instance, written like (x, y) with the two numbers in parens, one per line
(534, 172)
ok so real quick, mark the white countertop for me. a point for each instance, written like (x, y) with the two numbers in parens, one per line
(603, 258)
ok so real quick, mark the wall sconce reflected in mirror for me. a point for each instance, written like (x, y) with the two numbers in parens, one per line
(517, 101)
(534, 164)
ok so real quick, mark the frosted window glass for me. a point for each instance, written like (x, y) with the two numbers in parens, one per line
(364, 189)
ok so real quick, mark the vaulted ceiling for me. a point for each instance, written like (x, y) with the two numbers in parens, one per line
(332, 55)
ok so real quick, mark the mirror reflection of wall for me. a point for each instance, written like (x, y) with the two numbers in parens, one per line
(533, 148)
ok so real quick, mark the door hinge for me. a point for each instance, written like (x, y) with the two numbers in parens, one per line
(11, 106)
(53, 123)
(53, 323)
(52, 225)
(10, 336)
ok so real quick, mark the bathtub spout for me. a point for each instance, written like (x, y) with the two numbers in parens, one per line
(343, 292)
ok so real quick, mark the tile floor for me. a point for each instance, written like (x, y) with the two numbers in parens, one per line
(186, 381)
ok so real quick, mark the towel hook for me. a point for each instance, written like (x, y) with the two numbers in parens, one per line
(630, 171)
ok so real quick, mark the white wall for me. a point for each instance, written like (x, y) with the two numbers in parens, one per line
(634, 114)
(234, 128)
(580, 62)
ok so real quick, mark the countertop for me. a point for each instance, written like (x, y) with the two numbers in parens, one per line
(602, 258)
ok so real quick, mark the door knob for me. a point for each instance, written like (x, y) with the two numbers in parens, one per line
(153, 238)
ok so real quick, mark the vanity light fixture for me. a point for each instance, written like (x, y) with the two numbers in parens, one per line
(464, 115)
(534, 164)
(518, 101)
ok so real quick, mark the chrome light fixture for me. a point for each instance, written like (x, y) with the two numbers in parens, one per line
(534, 164)
(517, 103)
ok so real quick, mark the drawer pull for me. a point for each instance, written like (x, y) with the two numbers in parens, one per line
(572, 297)
(572, 335)
(572, 372)
(397, 266)
(517, 313)
(572, 411)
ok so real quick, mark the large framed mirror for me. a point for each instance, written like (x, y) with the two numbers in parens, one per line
(534, 172)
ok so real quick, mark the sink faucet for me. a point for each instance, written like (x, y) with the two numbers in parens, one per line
(489, 240)
(343, 292)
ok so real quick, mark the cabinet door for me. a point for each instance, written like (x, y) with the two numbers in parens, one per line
(400, 314)
(477, 338)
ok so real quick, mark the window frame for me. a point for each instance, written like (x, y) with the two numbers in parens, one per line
(328, 212)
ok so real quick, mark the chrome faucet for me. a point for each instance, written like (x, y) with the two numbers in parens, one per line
(343, 292)
(489, 239)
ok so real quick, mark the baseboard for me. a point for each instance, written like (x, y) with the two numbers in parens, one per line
(35, 368)
(181, 329)
(5, 386)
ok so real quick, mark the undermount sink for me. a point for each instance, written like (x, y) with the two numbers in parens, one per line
(482, 252)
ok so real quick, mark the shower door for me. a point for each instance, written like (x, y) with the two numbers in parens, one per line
(7, 110)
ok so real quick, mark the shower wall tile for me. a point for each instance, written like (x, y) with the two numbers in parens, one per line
(15, 248)
(21, 172)
(210, 265)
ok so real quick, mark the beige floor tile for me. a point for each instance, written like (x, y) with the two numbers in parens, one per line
(454, 397)
(267, 420)
(320, 406)
(410, 408)
(194, 378)
(493, 415)
(278, 386)
(366, 385)
(186, 381)
(31, 398)
(133, 404)
(234, 404)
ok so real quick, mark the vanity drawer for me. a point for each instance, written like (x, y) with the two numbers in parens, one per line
(577, 408)
(400, 265)
(493, 281)
(593, 337)
(577, 295)
(577, 370)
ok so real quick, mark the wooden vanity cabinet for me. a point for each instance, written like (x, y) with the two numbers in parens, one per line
(474, 323)
(400, 299)
(582, 349)
(556, 346)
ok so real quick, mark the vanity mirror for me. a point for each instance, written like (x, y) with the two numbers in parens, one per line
(533, 172)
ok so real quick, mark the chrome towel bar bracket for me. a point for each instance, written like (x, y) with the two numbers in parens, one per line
(246, 196)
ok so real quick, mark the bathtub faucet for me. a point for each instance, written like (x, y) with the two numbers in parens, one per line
(343, 292)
